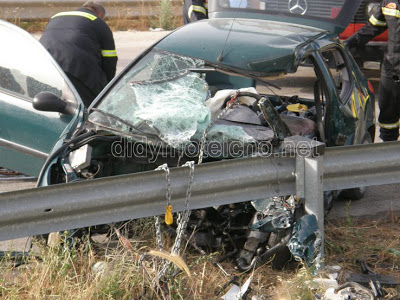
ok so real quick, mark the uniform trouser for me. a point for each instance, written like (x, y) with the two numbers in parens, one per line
(389, 107)
(86, 94)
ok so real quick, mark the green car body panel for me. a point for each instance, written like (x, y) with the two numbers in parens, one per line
(28, 136)
(258, 47)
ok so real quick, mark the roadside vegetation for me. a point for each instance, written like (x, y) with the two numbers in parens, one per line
(164, 17)
(128, 266)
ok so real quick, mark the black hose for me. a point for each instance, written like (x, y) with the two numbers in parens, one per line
(259, 260)
(244, 94)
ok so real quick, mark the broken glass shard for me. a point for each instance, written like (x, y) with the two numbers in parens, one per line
(277, 212)
(305, 243)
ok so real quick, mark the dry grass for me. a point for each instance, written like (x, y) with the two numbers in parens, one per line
(347, 242)
(377, 242)
(161, 16)
(115, 270)
(36, 26)
(111, 270)
(127, 19)
(142, 23)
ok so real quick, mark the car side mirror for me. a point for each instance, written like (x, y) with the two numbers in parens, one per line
(46, 101)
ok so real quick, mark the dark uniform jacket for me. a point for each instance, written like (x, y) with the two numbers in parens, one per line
(194, 10)
(387, 16)
(83, 46)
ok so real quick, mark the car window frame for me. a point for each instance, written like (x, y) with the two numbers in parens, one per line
(343, 97)
(15, 95)
(29, 135)
(345, 93)
(320, 69)
(68, 92)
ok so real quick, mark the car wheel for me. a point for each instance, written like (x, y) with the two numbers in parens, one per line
(357, 193)
(354, 194)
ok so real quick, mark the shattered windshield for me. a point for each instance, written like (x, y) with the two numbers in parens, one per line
(163, 96)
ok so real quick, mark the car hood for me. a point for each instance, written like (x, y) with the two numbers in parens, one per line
(256, 46)
(331, 15)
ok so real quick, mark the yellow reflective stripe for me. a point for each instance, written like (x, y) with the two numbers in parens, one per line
(199, 9)
(76, 13)
(360, 100)
(374, 21)
(206, 5)
(190, 11)
(389, 126)
(108, 53)
(365, 100)
(391, 12)
(353, 105)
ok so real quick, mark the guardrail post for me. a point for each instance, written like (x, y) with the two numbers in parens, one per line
(309, 171)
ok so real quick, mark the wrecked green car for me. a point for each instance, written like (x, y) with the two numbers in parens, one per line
(232, 86)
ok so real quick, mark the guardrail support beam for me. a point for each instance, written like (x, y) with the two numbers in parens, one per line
(313, 191)
(309, 171)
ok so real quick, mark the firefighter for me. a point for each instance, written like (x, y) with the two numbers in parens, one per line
(195, 10)
(385, 17)
(83, 45)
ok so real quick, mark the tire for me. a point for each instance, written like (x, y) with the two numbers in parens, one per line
(354, 194)
(357, 193)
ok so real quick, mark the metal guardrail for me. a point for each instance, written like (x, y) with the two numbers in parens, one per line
(68, 206)
(34, 9)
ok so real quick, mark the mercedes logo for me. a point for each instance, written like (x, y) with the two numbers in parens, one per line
(298, 6)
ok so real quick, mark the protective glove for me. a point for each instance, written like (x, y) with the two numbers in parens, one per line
(351, 41)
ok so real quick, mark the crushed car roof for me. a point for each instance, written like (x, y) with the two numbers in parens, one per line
(257, 46)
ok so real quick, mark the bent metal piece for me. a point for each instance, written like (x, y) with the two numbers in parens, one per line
(273, 119)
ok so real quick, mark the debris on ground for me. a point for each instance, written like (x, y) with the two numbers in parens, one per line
(366, 278)
(305, 243)
(363, 286)
(237, 292)
(6, 174)
(347, 291)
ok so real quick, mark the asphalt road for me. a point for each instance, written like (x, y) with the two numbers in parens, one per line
(380, 201)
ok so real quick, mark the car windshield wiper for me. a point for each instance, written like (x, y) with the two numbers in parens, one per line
(162, 80)
(230, 71)
(203, 69)
(131, 127)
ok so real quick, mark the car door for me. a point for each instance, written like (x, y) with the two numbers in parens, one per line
(27, 135)
(350, 115)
